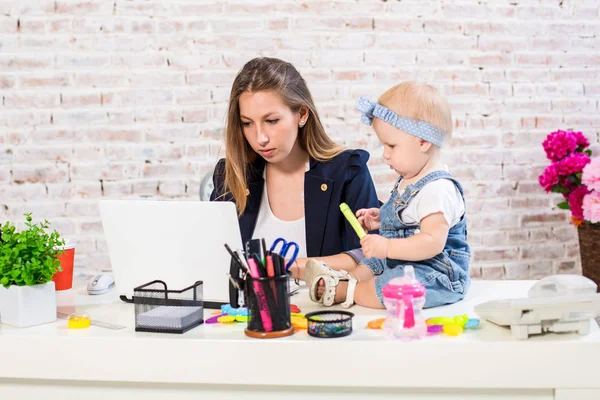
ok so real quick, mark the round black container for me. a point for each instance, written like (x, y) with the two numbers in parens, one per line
(329, 324)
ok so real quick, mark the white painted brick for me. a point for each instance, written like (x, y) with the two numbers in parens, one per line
(168, 170)
(65, 226)
(71, 117)
(81, 99)
(98, 79)
(27, 173)
(146, 188)
(23, 62)
(101, 246)
(39, 210)
(59, 25)
(88, 7)
(172, 188)
(106, 134)
(163, 79)
(92, 171)
(236, 24)
(158, 152)
(12, 119)
(43, 80)
(186, 8)
(117, 189)
(9, 24)
(22, 192)
(139, 60)
(504, 44)
(79, 61)
(31, 99)
(33, 154)
(87, 189)
(89, 225)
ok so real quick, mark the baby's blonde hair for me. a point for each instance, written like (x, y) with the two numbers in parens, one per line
(419, 101)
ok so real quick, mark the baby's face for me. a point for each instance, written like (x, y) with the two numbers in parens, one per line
(401, 151)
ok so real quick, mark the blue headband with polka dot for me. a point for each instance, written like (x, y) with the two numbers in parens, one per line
(420, 129)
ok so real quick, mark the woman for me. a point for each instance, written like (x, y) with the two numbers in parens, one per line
(285, 175)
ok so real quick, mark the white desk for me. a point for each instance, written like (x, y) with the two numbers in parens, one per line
(52, 362)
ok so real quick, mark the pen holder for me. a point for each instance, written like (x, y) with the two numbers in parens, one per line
(268, 301)
(158, 309)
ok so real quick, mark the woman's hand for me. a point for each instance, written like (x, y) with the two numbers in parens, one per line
(369, 218)
(375, 246)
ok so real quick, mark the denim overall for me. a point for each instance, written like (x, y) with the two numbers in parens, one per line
(445, 276)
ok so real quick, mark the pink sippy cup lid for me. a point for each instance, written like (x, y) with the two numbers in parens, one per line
(397, 288)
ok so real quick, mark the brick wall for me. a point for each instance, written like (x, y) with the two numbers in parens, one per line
(126, 99)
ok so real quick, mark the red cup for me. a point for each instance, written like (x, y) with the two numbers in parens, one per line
(63, 280)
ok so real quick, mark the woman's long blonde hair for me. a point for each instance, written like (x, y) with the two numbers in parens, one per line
(269, 74)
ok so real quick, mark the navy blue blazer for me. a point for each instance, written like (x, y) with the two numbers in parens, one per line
(344, 179)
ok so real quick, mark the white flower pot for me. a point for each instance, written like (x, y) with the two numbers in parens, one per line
(24, 306)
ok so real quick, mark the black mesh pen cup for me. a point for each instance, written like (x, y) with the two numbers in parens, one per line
(268, 301)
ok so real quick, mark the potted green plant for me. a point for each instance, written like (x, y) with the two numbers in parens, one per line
(28, 260)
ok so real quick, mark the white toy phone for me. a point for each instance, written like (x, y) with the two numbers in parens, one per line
(557, 303)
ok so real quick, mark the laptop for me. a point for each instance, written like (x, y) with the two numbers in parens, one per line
(178, 242)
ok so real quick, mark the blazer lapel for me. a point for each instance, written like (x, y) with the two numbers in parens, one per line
(317, 194)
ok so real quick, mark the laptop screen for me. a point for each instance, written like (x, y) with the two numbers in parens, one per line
(178, 242)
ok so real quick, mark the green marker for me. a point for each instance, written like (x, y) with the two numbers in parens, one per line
(352, 220)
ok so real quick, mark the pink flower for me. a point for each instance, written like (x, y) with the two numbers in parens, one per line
(582, 141)
(559, 144)
(591, 207)
(572, 164)
(576, 201)
(591, 174)
(549, 178)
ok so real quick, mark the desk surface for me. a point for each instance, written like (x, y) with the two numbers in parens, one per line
(219, 354)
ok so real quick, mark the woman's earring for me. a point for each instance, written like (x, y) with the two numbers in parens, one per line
(301, 124)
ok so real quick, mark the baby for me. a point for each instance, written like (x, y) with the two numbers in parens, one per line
(423, 224)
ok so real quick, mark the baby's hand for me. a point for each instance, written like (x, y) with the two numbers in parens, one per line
(369, 218)
(374, 246)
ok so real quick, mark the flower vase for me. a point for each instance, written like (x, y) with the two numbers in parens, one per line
(589, 246)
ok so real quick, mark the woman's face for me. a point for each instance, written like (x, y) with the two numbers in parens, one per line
(269, 125)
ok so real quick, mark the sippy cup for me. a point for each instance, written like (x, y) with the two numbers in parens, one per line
(404, 299)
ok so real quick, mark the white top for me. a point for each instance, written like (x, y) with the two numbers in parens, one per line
(269, 227)
(442, 196)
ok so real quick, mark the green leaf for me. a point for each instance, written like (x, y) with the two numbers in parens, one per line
(564, 205)
(558, 189)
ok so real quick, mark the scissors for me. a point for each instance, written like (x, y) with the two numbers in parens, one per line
(285, 247)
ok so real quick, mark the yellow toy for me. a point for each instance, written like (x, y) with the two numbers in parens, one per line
(79, 321)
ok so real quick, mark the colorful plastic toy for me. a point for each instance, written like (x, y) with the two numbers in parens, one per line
(376, 323)
(230, 315)
(451, 326)
(433, 329)
(299, 321)
(78, 321)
